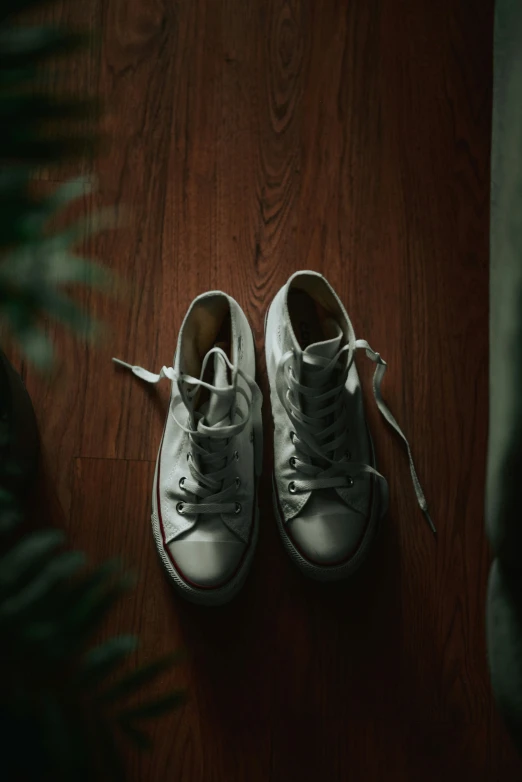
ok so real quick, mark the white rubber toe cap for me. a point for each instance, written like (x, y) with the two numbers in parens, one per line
(207, 564)
(326, 531)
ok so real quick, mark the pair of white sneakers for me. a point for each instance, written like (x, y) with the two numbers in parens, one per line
(328, 497)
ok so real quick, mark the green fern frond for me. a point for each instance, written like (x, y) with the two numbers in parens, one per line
(60, 697)
(38, 127)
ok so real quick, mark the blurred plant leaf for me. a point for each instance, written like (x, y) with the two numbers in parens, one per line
(134, 681)
(25, 556)
(34, 148)
(66, 311)
(37, 348)
(62, 567)
(154, 708)
(31, 277)
(104, 659)
(21, 46)
(36, 129)
(67, 193)
(19, 109)
(72, 268)
(85, 616)
(137, 736)
(102, 575)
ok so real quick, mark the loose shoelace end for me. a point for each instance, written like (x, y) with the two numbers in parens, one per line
(122, 363)
(428, 519)
(144, 374)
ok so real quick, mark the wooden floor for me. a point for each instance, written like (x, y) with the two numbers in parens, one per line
(249, 139)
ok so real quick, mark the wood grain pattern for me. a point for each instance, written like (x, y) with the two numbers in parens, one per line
(250, 140)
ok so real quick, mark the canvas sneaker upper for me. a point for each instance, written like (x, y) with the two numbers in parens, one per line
(328, 489)
(204, 493)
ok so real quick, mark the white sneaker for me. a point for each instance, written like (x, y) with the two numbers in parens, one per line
(204, 502)
(328, 495)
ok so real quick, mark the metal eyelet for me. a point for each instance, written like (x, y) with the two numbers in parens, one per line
(292, 462)
(180, 507)
(236, 456)
(182, 482)
(238, 508)
(189, 457)
(238, 483)
(349, 481)
(291, 487)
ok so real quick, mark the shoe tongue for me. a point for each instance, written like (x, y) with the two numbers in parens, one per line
(216, 411)
(327, 348)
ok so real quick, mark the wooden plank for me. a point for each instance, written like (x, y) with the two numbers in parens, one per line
(157, 75)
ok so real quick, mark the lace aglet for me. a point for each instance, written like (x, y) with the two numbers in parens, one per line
(122, 363)
(144, 374)
(428, 519)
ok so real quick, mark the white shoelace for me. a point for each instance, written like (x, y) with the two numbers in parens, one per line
(320, 431)
(212, 453)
